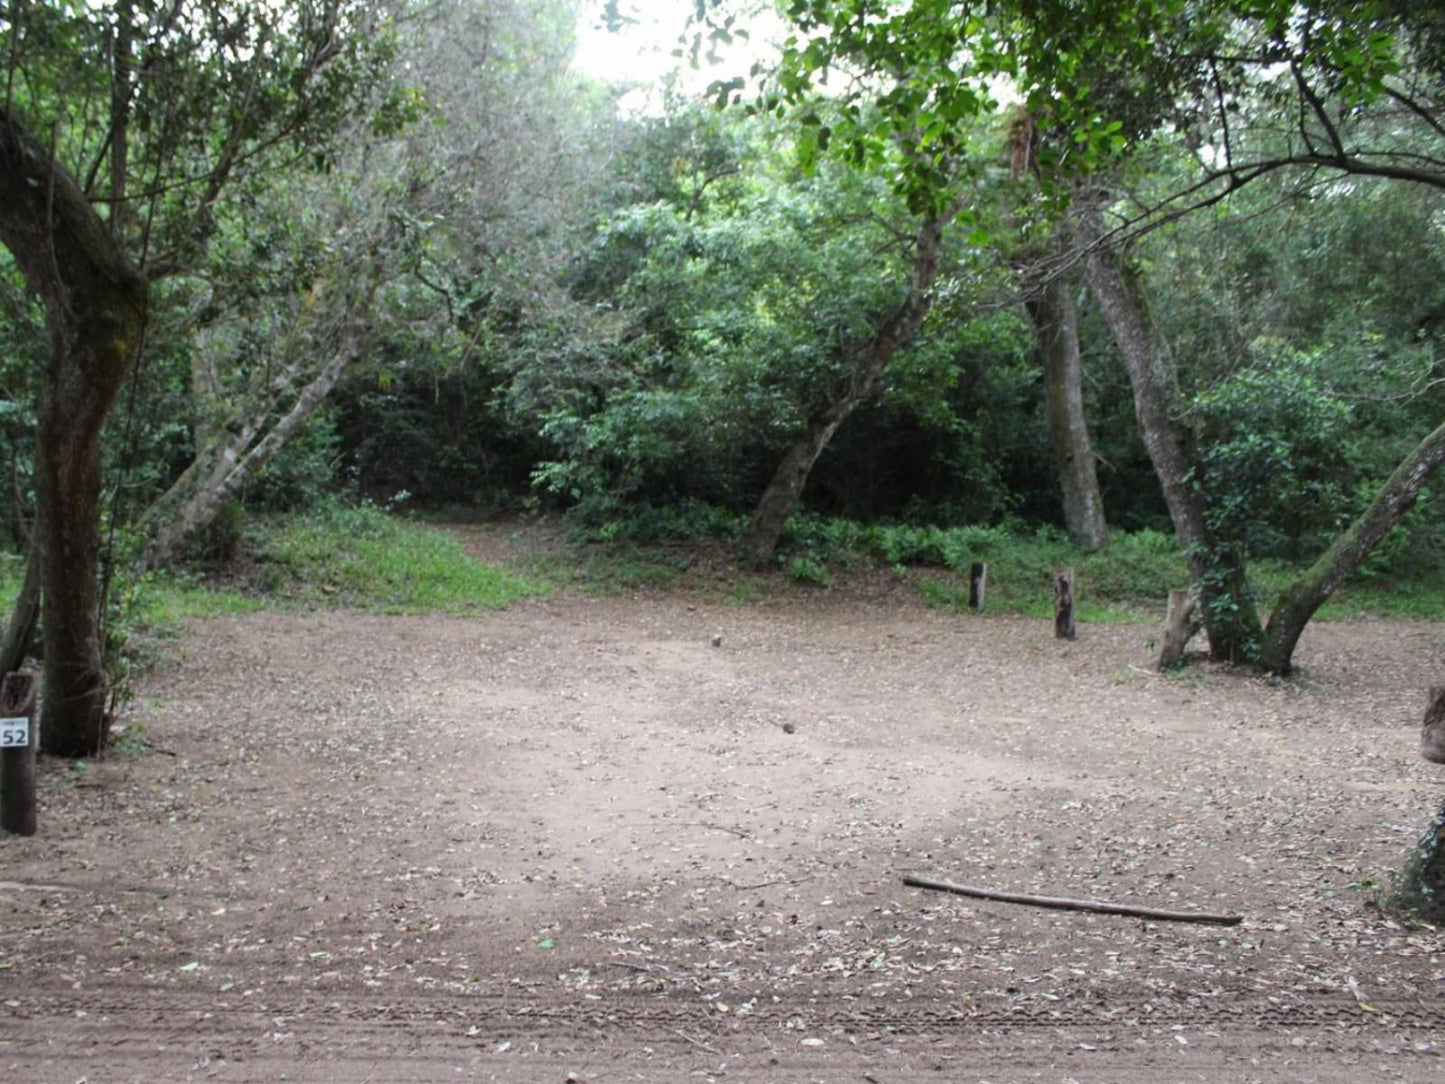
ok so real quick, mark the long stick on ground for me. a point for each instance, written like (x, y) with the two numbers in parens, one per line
(1064, 904)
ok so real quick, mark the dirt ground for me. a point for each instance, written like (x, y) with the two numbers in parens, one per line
(661, 838)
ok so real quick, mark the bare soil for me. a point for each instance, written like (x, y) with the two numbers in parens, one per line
(661, 838)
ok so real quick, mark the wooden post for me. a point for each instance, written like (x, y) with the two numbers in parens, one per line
(1064, 604)
(977, 580)
(1432, 734)
(17, 763)
(1179, 626)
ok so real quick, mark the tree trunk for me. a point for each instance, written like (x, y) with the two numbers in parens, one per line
(1178, 629)
(1051, 309)
(240, 462)
(866, 362)
(1228, 613)
(1302, 598)
(20, 629)
(781, 497)
(96, 309)
(1420, 887)
(1432, 733)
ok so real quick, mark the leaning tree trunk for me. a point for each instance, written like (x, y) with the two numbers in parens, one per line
(1229, 616)
(95, 305)
(1302, 598)
(199, 500)
(235, 453)
(866, 362)
(1051, 310)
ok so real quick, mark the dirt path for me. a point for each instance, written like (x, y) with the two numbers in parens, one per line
(653, 840)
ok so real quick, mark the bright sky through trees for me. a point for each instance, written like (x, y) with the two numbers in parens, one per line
(641, 52)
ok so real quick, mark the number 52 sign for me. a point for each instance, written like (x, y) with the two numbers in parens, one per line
(14, 733)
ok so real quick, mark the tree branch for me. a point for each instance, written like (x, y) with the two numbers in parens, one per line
(1063, 903)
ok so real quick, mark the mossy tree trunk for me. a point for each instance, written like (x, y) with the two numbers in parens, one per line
(95, 305)
(1420, 886)
(1226, 608)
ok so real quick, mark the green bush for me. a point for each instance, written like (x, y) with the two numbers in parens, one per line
(1137, 569)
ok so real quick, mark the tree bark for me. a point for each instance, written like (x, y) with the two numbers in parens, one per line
(1432, 733)
(1302, 598)
(1051, 310)
(20, 629)
(866, 362)
(1229, 615)
(1420, 887)
(96, 309)
(1179, 629)
(1064, 604)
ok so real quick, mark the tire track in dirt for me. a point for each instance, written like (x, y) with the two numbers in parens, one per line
(99, 1034)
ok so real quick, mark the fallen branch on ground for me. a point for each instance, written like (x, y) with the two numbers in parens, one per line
(1064, 904)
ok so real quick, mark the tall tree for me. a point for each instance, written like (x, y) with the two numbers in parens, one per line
(1050, 306)
(1217, 568)
(864, 362)
(95, 300)
(187, 101)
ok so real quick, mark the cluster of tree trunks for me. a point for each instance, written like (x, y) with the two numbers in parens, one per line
(230, 455)
(1226, 606)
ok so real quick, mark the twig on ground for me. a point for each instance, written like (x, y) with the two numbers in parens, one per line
(724, 828)
(695, 1042)
(766, 884)
(1062, 903)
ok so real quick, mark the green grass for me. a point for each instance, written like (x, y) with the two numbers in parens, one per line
(1135, 574)
(364, 559)
(615, 569)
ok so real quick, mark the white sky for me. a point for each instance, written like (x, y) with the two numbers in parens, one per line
(642, 53)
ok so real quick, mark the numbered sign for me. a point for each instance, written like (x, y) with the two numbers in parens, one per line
(14, 733)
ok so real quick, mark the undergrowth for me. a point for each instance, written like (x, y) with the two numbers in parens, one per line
(1133, 575)
(362, 558)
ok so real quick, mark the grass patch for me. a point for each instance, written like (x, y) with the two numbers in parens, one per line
(610, 569)
(362, 558)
